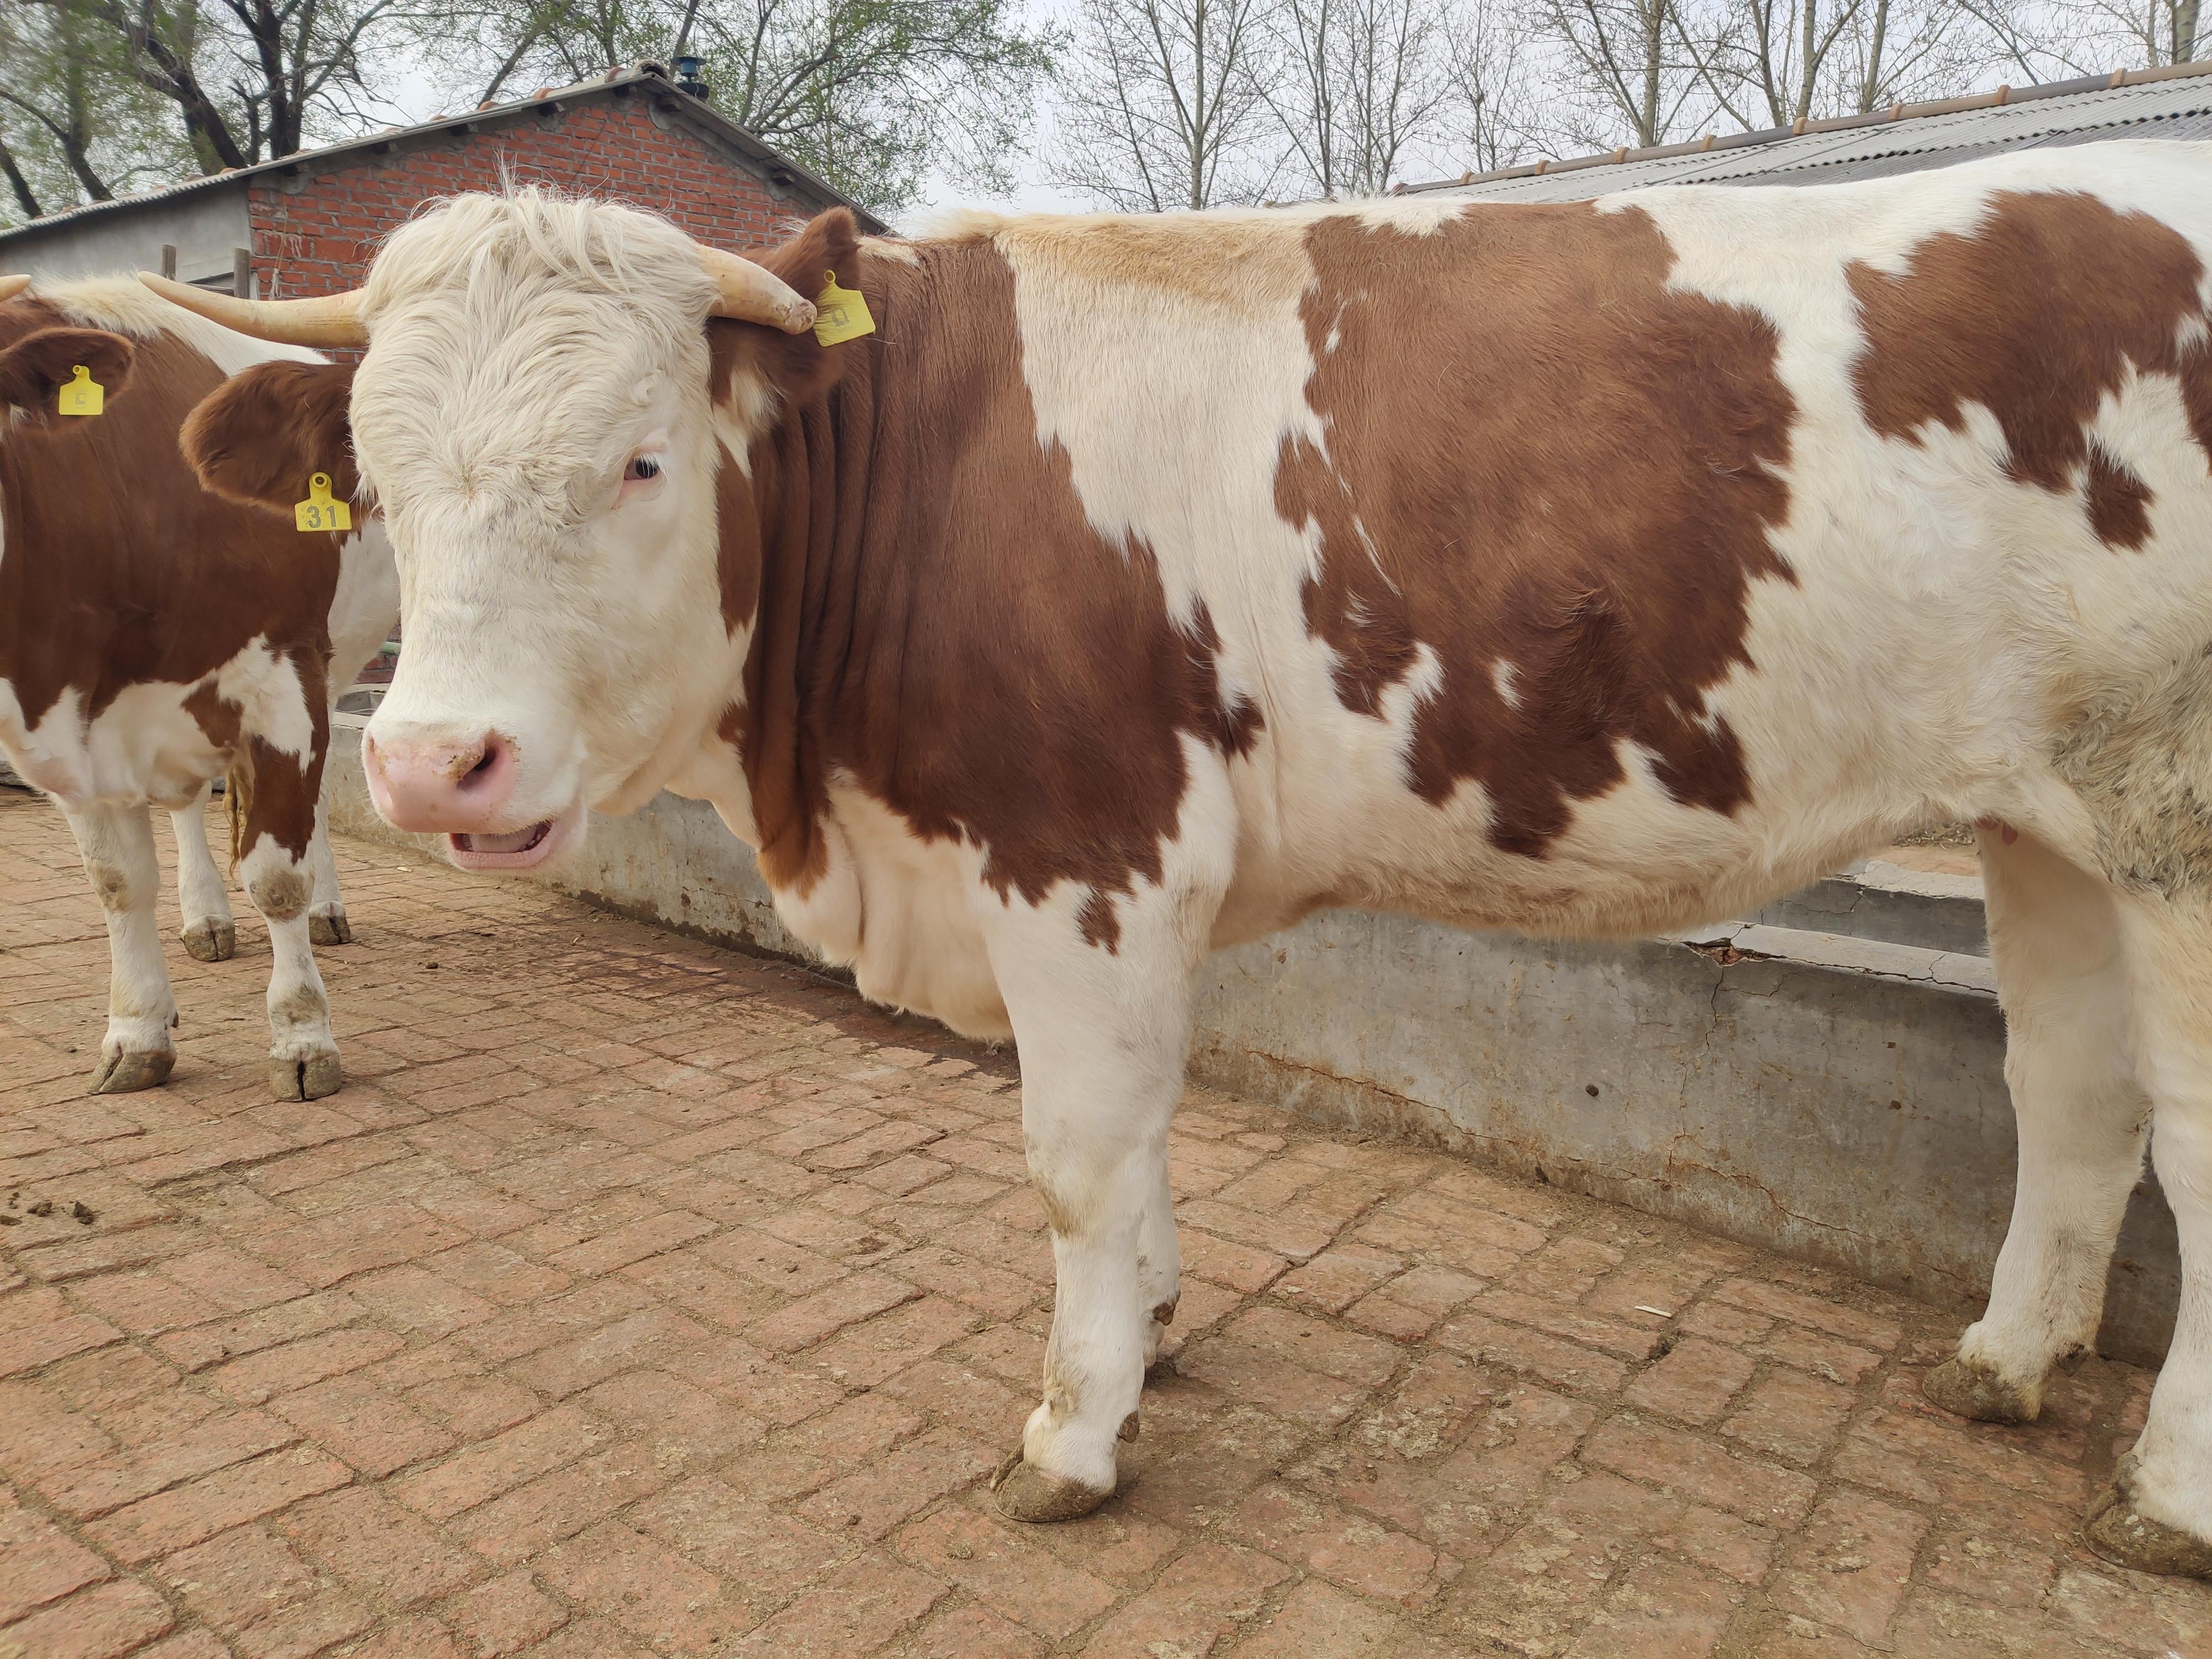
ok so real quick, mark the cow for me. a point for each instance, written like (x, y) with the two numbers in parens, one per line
(154, 637)
(1141, 585)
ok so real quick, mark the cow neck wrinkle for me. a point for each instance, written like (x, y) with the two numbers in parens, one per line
(942, 628)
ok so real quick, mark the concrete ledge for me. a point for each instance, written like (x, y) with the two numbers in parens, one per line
(1955, 970)
(1876, 900)
(1838, 1100)
(1836, 1096)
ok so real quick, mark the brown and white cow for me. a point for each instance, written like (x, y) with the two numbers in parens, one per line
(153, 636)
(1143, 585)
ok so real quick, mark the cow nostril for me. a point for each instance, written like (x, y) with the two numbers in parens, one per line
(486, 760)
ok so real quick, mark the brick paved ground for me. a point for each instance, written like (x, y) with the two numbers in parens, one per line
(638, 1297)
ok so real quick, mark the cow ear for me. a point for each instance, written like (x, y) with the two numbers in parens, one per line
(260, 435)
(795, 368)
(34, 369)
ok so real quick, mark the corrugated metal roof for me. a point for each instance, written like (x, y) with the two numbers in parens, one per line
(651, 76)
(2177, 104)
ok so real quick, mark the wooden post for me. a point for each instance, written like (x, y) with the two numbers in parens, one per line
(241, 272)
(169, 260)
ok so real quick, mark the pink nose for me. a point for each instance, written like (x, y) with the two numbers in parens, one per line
(440, 786)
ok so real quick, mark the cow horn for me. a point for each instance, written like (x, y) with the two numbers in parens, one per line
(753, 294)
(328, 319)
(11, 286)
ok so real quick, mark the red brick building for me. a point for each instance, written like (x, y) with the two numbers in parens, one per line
(310, 222)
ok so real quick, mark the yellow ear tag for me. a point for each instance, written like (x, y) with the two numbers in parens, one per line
(84, 395)
(319, 511)
(841, 314)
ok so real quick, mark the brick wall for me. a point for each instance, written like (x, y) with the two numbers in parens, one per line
(320, 237)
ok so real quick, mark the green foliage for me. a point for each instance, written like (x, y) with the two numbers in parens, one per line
(873, 95)
(101, 97)
(75, 124)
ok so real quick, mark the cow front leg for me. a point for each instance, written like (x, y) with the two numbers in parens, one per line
(210, 931)
(1097, 1094)
(2055, 937)
(1102, 1034)
(280, 818)
(118, 844)
(2156, 1516)
(326, 917)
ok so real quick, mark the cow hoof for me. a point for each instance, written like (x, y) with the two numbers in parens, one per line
(126, 1074)
(211, 941)
(1027, 1493)
(1961, 1387)
(332, 929)
(306, 1079)
(1156, 1329)
(2116, 1530)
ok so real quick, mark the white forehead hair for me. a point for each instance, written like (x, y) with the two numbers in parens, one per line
(524, 242)
(510, 335)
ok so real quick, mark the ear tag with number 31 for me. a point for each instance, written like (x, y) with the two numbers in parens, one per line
(319, 511)
(841, 314)
(83, 395)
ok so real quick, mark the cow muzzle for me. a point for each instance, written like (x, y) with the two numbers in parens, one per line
(516, 849)
(463, 790)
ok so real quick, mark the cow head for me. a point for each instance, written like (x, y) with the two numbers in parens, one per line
(37, 358)
(551, 436)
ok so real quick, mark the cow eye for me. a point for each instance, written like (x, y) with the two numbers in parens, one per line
(641, 468)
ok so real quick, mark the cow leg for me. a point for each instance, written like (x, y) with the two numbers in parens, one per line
(281, 818)
(326, 917)
(1098, 1094)
(1103, 1035)
(2156, 1516)
(303, 1054)
(117, 844)
(210, 933)
(2055, 936)
(1159, 1264)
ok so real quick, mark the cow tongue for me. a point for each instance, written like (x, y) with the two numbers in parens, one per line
(515, 841)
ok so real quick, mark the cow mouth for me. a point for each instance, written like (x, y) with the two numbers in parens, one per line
(515, 849)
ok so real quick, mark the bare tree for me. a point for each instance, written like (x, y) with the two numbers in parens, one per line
(19, 186)
(2186, 40)
(1628, 78)
(1901, 51)
(1770, 63)
(1369, 81)
(2048, 39)
(1164, 106)
(1764, 62)
(1495, 98)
